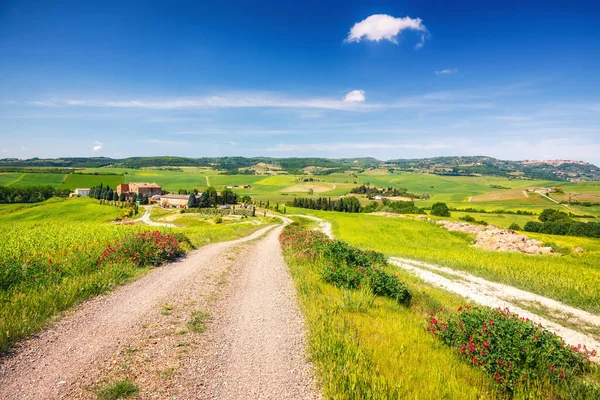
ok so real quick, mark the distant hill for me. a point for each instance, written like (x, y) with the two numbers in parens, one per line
(557, 170)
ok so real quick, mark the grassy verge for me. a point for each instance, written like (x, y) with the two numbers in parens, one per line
(371, 347)
(571, 278)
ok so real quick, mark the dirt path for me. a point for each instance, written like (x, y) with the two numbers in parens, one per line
(145, 218)
(495, 295)
(257, 349)
(263, 332)
(324, 226)
(207, 182)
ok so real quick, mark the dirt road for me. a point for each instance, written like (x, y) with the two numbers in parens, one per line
(260, 345)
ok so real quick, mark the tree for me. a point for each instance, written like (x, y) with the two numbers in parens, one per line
(115, 196)
(204, 201)
(211, 192)
(311, 192)
(228, 196)
(122, 197)
(440, 209)
(532, 226)
(514, 227)
(192, 203)
(551, 215)
(134, 198)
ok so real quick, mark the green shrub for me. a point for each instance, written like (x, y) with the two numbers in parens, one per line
(387, 285)
(440, 209)
(143, 249)
(515, 351)
(532, 226)
(343, 276)
(514, 227)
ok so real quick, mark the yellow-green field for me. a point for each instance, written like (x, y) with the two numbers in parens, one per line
(48, 254)
(571, 278)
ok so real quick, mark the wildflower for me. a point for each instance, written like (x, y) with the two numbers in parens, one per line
(500, 362)
(475, 361)
(486, 345)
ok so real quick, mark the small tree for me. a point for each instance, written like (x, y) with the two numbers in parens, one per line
(440, 209)
(134, 198)
(192, 203)
(122, 197)
(204, 201)
(514, 227)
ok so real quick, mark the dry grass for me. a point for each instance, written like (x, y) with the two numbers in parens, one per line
(317, 187)
(500, 194)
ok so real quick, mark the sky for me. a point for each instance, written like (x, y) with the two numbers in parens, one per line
(386, 79)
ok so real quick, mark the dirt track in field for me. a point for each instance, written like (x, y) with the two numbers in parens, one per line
(253, 347)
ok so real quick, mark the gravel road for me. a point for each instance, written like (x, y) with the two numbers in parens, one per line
(257, 344)
(260, 344)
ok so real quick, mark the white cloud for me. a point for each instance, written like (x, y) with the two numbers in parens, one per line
(4, 151)
(96, 146)
(385, 27)
(355, 96)
(446, 71)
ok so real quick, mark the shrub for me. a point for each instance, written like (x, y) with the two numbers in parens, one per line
(514, 227)
(551, 215)
(467, 218)
(343, 276)
(515, 351)
(143, 249)
(532, 226)
(387, 285)
(440, 209)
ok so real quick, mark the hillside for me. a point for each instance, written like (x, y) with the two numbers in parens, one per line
(557, 170)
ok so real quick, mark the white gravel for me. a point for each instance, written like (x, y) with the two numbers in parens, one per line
(258, 350)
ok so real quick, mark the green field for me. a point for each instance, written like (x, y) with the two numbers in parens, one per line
(50, 256)
(457, 191)
(571, 278)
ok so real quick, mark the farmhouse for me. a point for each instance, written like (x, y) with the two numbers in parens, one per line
(174, 200)
(82, 191)
(139, 188)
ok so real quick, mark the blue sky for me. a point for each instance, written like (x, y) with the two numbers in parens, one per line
(388, 79)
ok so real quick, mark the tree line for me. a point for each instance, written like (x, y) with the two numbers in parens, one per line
(555, 222)
(29, 194)
(372, 191)
(344, 204)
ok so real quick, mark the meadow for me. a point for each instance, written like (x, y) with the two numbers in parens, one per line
(371, 347)
(53, 255)
(572, 278)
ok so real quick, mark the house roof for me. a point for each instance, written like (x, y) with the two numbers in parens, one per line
(83, 189)
(145, 185)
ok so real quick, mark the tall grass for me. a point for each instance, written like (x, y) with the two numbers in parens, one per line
(571, 278)
(375, 348)
(50, 264)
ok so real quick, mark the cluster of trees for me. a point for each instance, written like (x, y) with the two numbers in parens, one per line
(29, 194)
(482, 211)
(344, 204)
(211, 198)
(371, 192)
(555, 222)
(398, 207)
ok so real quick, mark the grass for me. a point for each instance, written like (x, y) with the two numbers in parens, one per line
(197, 322)
(379, 350)
(366, 347)
(64, 235)
(73, 181)
(572, 279)
(118, 390)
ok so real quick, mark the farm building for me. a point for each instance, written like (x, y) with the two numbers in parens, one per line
(174, 200)
(82, 191)
(139, 188)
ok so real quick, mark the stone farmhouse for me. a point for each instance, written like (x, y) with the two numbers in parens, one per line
(174, 200)
(139, 188)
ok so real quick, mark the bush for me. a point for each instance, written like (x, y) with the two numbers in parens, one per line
(514, 227)
(515, 351)
(551, 215)
(143, 249)
(440, 209)
(387, 285)
(532, 226)
(343, 276)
